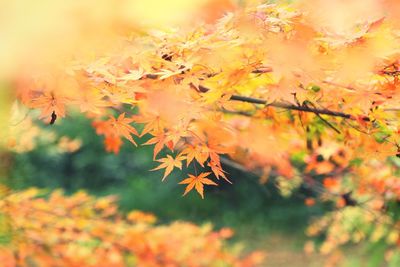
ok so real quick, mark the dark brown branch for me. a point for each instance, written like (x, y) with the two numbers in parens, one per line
(291, 106)
(320, 117)
(283, 105)
(278, 104)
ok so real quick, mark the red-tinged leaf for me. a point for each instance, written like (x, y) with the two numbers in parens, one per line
(170, 145)
(140, 96)
(102, 127)
(113, 143)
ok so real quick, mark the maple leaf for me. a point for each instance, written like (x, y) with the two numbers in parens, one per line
(50, 104)
(121, 125)
(92, 101)
(217, 170)
(151, 123)
(198, 152)
(102, 128)
(118, 95)
(197, 182)
(159, 140)
(169, 163)
(113, 143)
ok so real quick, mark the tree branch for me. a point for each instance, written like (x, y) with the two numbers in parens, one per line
(283, 105)
(278, 104)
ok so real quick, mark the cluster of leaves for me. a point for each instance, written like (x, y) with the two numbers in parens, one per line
(369, 215)
(305, 91)
(214, 89)
(81, 230)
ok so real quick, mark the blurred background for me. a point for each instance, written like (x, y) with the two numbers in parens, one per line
(69, 155)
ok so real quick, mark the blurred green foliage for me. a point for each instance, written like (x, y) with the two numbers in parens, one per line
(246, 205)
(255, 211)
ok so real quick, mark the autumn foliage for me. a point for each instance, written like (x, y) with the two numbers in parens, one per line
(81, 230)
(307, 93)
(217, 89)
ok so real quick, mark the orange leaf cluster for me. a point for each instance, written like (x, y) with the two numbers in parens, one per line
(308, 92)
(261, 85)
(201, 91)
(113, 129)
(81, 230)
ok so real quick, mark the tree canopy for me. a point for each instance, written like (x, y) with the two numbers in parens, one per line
(307, 93)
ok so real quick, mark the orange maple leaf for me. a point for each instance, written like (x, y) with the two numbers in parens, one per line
(50, 104)
(216, 168)
(91, 102)
(169, 163)
(151, 123)
(197, 182)
(197, 152)
(113, 143)
(159, 140)
(121, 125)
